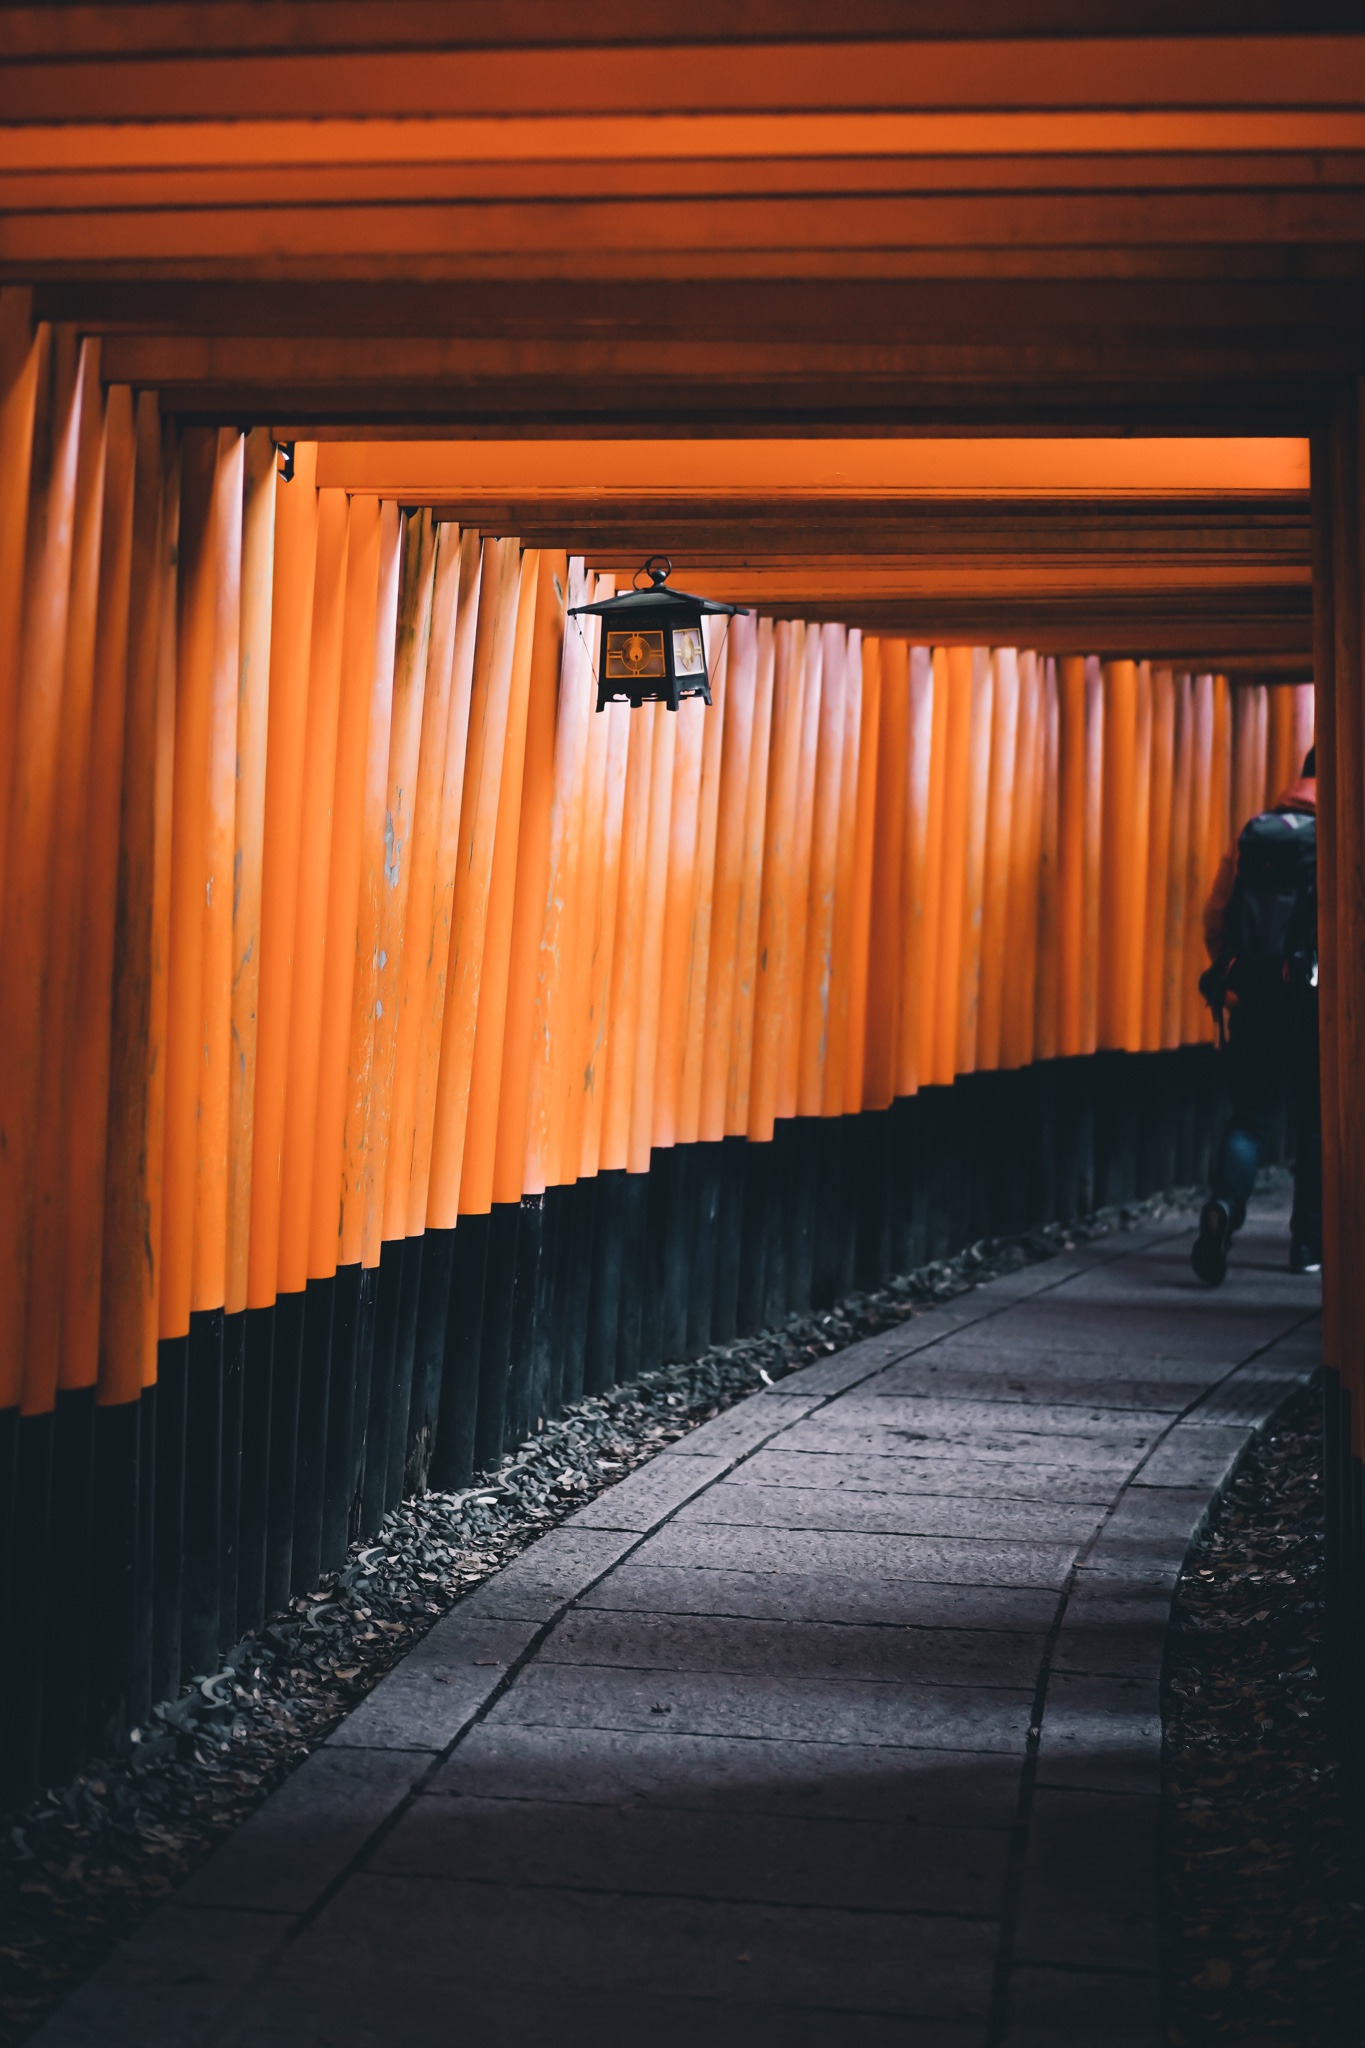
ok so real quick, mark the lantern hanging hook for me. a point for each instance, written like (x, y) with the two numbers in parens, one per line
(657, 575)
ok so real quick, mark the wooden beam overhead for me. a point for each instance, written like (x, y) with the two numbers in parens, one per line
(1211, 531)
(1012, 75)
(127, 28)
(1164, 467)
(220, 229)
(1214, 347)
(1192, 639)
(1044, 146)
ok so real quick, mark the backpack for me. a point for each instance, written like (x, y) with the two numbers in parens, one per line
(1270, 932)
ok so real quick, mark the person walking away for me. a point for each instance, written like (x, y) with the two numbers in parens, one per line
(1260, 928)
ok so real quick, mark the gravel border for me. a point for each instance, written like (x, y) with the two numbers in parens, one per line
(1264, 1894)
(84, 1864)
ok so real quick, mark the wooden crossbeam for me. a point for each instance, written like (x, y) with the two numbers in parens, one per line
(1025, 467)
(180, 79)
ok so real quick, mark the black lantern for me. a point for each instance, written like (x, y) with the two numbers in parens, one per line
(652, 646)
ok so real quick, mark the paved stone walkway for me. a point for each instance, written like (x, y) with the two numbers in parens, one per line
(838, 1723)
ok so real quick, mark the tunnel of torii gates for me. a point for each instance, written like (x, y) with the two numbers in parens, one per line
(392, 1047)
(409, 1047)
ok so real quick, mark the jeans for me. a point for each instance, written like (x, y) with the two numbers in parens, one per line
(1272, 1044)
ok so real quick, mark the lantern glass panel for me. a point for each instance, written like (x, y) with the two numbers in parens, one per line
(634, 656)
(689, 655)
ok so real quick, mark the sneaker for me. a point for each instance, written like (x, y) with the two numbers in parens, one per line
(1304, 1258)
(1210, 1255)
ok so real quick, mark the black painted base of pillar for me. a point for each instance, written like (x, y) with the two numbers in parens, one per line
(168, 1516)
(70, 1618)
(452, 1463)
(310, 1461)
(286, 1365)
(21, 1683)
(253, 1509)
(338, 1467)
(114, 1636)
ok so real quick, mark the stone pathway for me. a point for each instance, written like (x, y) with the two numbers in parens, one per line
(837, 1723)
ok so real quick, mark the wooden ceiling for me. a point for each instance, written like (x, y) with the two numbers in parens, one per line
(897, 218)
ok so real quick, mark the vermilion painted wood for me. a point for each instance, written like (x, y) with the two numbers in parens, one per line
(551, 1034)
(1173, 989)
(952, 669)
(1020, 980)
(318, 809)
(997, 483)
(777, 909)
(1092, 855)
(817, 963)
(220, 881)
(644, 1080)
(360, 1223)
(160, 655)
(32, 821)
(21, 351)
(1136, 908)
(394, 1042)
(253, 714)
(623, 1000)
(739, 1072)
(192, 651)
(865, 804)
(929, 728)
(812, 659)
(291, 633)
(1197, 857)
(976, 792)
(624, 236)
(433, 932)
(419, 927)
(729, 875)
(612, 881)
(594, 921)
(887, 994)
(344, 635)
(1045, 1012)
(1303, 696)
(1160, 851)
(606, 801)
(1248, 751)
(1220, 794)
(676, 966)
(1003, 797)
(532, 878)
(834, 1080)
(480, 1143)
(87, 1127)
(338, 680)
(487, 729)
(56, 1105)
(1119, 821)
(997, 85)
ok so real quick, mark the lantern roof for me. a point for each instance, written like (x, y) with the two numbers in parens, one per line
(655, 596)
